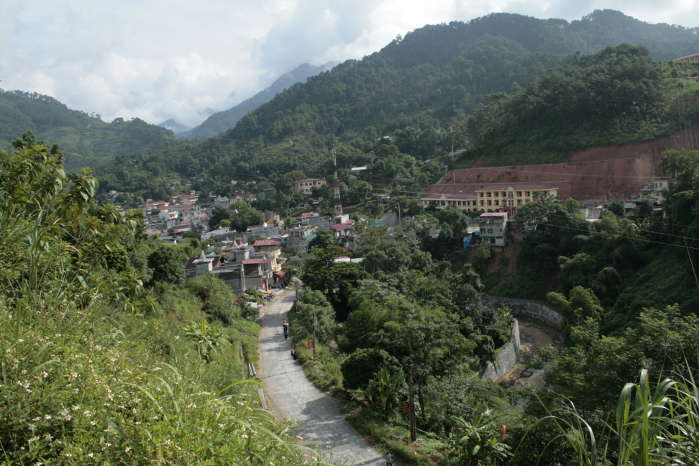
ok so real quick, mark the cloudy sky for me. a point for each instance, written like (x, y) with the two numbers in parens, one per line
(160, 59)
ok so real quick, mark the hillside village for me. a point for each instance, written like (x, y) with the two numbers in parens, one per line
(475, 246)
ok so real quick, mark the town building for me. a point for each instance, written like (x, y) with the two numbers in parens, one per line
(306, 185)
(493, 228)
(487, 197)
(693, 58)
(299, 237)
(657, 189)
(263, 231)
(270, 248)
(462, 201)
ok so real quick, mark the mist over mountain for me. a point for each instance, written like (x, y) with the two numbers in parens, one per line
(221, 121)
(174, 126)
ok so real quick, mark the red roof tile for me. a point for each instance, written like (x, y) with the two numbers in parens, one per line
(265, 242)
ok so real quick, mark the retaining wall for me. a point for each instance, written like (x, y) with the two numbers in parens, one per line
(531, 309)
(505, 357)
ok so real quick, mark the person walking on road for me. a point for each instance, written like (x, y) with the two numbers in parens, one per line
(285, 326)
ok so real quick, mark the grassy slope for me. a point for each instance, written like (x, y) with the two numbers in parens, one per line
(118, 388)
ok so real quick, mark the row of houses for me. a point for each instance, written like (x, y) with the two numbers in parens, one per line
(253, 259)
(242, 266)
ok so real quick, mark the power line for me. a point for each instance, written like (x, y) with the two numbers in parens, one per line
(663, 243)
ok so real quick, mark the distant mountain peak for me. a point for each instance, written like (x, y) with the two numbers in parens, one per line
(174, 126)
(220, 122)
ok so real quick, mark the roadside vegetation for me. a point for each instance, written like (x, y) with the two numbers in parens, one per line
(106, 355)
(401, 325)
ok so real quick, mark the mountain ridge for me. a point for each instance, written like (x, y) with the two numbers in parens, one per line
(219, 122)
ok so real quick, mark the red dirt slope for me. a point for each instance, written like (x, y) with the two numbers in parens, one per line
(597, 173)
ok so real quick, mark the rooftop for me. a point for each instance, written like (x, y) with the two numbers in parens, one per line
(445, 196)
(266, 242)
(257, 260)
(342, 226)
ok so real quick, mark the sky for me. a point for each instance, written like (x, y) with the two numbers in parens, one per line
(183, 59)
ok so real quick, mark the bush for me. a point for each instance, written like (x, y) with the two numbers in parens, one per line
(219, 300)
(361, 366)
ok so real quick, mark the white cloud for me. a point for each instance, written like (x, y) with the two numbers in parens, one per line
(178, 58)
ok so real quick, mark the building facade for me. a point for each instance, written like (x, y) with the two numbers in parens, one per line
(485, 197)
(493, 228)
(306, 185)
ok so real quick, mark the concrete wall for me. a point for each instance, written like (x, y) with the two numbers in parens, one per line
(505, 357)
(531, 309)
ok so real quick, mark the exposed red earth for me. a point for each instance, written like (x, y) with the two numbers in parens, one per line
(597, 173)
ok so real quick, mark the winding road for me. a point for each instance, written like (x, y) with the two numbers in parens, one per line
(290, 395)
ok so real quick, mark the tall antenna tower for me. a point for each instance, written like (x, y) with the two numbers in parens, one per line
(338, 199)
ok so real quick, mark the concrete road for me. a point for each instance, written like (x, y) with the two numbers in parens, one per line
(290, 395)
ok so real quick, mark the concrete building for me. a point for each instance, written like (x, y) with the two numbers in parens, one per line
(462, 201)
(262, 231)
(656, 189)
(488, 197)
(306, 185)
(493, 226)
(299, 238)
(271, 249)
(693, 58)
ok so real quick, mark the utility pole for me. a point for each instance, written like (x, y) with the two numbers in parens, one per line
(315, 323)
(242, 274)
(411, 404)
(338, 200)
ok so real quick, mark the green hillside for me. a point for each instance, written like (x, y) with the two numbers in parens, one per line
(616, 96)
(107, 356)
(85, 139)
(421, 90)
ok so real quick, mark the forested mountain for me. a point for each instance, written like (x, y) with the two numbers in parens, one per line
(421, 90)
(85, 138)
(616, 96)
(227, 119)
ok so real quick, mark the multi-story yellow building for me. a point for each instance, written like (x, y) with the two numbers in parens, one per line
(486, 197)
(500, 197)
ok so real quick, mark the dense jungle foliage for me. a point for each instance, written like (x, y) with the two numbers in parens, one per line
(86, 140)
(106, 356)
(421, 90)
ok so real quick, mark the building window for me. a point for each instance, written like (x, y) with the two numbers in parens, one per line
(490, 202)
(510, 194)
(489, 194)
(519, 193)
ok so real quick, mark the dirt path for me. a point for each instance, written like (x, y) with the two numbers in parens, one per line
(291, 396)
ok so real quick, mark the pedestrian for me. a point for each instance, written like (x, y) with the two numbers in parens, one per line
(389, 459)
(285, 326)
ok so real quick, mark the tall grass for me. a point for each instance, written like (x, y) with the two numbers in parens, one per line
(651, 426)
